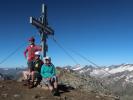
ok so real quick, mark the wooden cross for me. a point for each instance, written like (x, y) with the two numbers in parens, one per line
(44, 30)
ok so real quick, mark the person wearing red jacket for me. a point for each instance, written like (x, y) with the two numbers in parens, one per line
(29, 54)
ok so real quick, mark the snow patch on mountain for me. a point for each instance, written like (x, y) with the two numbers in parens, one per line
(121, 69)
(105, 71)
(78, 68)
(96, 72)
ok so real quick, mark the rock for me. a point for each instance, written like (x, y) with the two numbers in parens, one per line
(44, 87)
(39, 86)
(20, 80)
(43, 98)
(97, 96)
(16, 95)
(117, 98)
(2, 86)
(36, 96)
(5, 95)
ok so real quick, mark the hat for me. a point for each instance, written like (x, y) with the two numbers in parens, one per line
(32, 39)
(47, 58)
(38, 53)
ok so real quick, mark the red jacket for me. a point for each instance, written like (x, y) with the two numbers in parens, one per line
(31, 52)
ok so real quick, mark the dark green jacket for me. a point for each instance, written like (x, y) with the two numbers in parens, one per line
(37, 65)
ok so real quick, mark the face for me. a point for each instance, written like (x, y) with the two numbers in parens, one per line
(47, 61)
(37, 57)
(31, 43)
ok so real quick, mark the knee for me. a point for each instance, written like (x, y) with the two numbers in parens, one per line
(50, 87)
(32, 73)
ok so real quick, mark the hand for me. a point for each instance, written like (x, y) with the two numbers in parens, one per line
(48, 79)
(26, 57)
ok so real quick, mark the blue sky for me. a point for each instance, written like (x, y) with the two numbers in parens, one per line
(101, 30)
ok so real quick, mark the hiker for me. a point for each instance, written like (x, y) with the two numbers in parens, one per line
(49, 76)
(30, 50)
(37, 69)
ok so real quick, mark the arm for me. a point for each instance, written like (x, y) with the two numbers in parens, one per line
(42, 62)
(46, 72)
(42, 72)
(25, 52)
(38, 48)
(53, 71)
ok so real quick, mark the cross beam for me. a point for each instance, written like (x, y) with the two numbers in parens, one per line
(42, 25)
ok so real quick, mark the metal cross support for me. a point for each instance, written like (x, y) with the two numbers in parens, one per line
(44, 30)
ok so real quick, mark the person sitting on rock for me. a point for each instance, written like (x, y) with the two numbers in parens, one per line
(49, 76)
(37, 69)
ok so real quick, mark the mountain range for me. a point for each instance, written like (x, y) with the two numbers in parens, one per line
(118, 78)
(114, 79)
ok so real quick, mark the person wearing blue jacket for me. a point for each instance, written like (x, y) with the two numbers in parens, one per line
(48, 73)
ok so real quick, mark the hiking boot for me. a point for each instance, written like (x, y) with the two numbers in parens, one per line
(31, 85)
(25, 83)
(55, 92)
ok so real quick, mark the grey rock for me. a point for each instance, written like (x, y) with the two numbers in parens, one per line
(5, 95)
(2, 86)
(36, 96)
(16, 95)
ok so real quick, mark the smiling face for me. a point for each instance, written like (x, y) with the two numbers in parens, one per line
(37, 57)
(31, 43)
(47, 61)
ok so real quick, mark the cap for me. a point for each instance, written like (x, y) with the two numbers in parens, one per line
(38, 53)
(32, 39)
(47, 58)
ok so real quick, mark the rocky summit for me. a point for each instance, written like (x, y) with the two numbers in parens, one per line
(72, 86)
